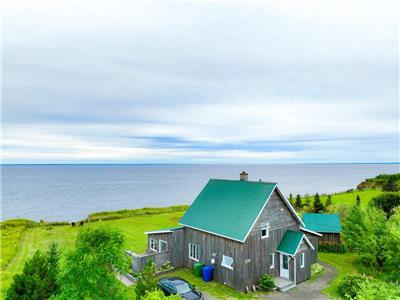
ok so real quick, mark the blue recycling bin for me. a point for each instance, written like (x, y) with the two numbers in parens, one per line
(208, 273)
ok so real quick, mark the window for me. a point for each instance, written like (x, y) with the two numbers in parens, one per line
(272, 260)
(194, 252)
(153, 244)
(265, 231)
(227, 262)
(163, 246)
(302, 260)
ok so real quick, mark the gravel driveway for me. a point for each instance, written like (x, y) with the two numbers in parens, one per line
(307, 290)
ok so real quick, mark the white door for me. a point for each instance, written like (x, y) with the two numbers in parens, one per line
(284, 265)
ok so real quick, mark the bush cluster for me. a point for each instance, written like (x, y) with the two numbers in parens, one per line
(316, 271)
(334, 248)
(362, 287)
(267, 282)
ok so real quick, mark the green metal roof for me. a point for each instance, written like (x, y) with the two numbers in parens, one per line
(328, 223)
(228, 208)
(290, 242)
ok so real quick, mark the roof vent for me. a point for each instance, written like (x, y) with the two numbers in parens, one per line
(244, 176)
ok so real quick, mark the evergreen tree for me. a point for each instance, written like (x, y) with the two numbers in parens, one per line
(291, 199)
(53, 260)
(298, 204)
(318, 205)
(328, 201)
(308, 200)
(34, 283)
(358, 200)
(354, 229)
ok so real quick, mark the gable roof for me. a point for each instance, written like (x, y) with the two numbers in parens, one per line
(229, 208)
(328, 223)
(291, 242)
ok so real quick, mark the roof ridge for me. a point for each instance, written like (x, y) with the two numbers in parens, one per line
(238, 180)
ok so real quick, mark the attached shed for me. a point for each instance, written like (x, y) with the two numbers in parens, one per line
(326, 224)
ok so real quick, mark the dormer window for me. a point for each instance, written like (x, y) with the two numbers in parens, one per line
(265, 231)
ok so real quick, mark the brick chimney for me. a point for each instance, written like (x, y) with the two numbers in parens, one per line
(244, 176)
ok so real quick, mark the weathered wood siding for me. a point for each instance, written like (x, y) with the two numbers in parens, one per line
(330, 238)
(209, 244)
(314, 241)
(304, 273)
(177, 248)
(159, 258)
(258, 250)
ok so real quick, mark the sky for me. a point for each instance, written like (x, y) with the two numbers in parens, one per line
(200, 81)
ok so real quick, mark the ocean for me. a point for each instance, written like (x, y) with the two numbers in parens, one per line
(71, 192)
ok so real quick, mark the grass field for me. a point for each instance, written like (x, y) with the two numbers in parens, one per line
(349, 198)
(344, 264)
(18, 245)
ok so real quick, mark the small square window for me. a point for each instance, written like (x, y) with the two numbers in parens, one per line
(302, 259)
(265, 231)
(272, 260)
(227, 262)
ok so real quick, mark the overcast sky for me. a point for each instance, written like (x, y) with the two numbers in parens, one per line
(200, 82)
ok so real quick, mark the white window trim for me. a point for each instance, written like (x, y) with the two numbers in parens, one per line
(159, 245)
(225, 265)
(198, 251)
(272, 263)
(151, 240)
(302, 260)
(265, 227)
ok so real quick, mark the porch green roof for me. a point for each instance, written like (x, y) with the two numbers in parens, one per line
(328, 223)
(290, 242)
(228, 208)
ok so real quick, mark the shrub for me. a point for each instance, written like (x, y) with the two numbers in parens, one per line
(316, 271)
(267, 282)
(351, 285)
(147, 281)
(334, 248)
(387, 202)
(165, 267)
(159, 295)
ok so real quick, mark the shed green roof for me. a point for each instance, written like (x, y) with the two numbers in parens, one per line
(228, 208)
(328, 223)
(290, 242)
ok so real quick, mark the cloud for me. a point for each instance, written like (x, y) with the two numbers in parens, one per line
(200, 81)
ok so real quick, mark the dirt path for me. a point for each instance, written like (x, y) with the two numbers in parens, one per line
(309, 290)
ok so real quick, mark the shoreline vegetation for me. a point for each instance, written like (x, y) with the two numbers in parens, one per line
(20, 238)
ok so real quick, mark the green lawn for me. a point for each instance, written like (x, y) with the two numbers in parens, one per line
(344, 264)
(17, 245)
(350, 197)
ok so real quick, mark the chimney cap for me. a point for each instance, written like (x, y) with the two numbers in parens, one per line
(244, 176)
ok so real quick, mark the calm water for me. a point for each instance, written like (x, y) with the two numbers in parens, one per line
(71, 192)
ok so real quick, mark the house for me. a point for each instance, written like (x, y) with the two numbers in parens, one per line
(326, 224)
(245, 229)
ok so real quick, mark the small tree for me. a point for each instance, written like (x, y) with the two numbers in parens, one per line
(53, 260)
(147, 281)
(298, 204)
(318, 205)
(90, 268)
(358, 200)
(387, 202)
(328, 202)
(308, 200)
(291, 199)
(35, 282)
